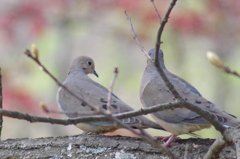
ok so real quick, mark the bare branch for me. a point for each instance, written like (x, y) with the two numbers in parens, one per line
(135, 36)
(182, 102)
(47, 110)
(227, 70)
(185, 104)
(233, 135)
(159, 107)
(32, 118)
(110, 90)
(216, 61)
(216, 148)
(159, 17)
(158, 42)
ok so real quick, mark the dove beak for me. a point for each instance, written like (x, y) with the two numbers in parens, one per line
(95, 73)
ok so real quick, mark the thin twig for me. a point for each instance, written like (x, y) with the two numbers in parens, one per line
(110, 90)
(158, 42)
(227, 70)
(1, 118)
(135, 37)
(159, 17)
(216, 61)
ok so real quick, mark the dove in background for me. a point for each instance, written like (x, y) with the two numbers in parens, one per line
(153, 91)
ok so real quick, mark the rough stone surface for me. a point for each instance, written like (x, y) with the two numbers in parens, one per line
(101, 147)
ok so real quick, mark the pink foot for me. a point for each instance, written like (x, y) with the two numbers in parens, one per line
(169, 140)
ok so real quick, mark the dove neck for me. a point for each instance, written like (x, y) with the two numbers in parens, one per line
(77, 72)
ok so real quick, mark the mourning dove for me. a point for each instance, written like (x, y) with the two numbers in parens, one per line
(153, 90)
(95, 95)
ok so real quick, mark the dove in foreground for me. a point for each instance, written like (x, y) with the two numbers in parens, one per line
(95, 95)
(153, 91)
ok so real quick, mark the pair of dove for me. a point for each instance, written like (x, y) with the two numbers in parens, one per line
(153, 91)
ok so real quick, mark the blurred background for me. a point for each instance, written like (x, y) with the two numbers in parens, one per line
(65, 29)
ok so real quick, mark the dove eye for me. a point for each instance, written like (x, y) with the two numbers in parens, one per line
(89, 63)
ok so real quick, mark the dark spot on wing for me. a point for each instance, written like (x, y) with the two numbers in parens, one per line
(83, 104)
(114, 101)
(198, 102)
(114, 106)
(194, 90)
(207, 106)
(185, 99)
(209, 102)
(230, 114)
(104, 106)
(102, 100)
(225, 119)
(92, 109)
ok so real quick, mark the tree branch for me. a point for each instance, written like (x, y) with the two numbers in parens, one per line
(216, 61)
(157, 46)
(159, 107)
(135, 36)
(232, 135)
(216, 148)
(110, 89)
(159, 17)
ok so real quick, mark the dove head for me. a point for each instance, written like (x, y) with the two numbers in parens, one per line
(151, 53)
(85, 63)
